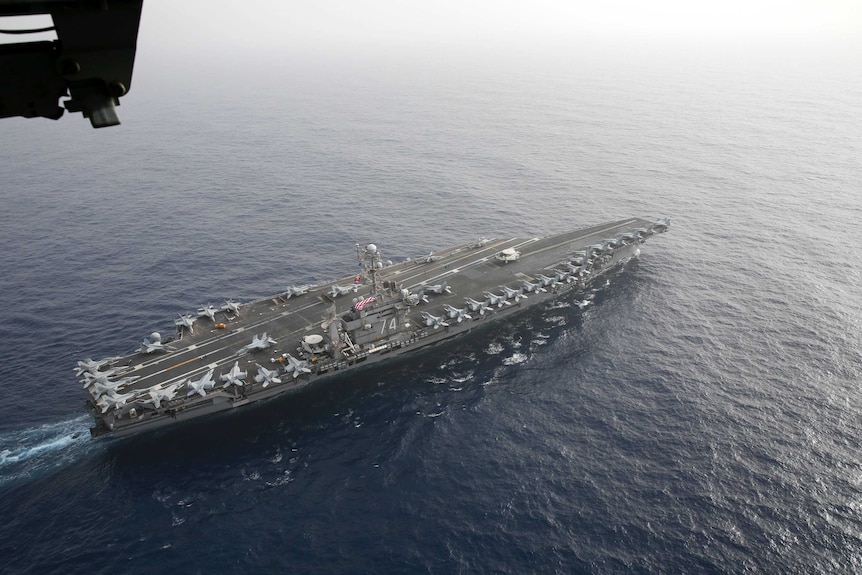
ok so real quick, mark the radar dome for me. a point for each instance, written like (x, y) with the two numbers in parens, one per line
(371, 249)
(155, 336)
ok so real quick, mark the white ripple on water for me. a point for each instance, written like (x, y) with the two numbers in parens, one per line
(29, 451)
(494, 348)
(515, 359)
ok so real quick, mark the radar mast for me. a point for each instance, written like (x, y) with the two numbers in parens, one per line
(369, 260)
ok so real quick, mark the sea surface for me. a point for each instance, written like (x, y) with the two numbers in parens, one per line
(699, 413)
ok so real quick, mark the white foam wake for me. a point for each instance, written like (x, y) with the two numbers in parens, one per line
(25, 451)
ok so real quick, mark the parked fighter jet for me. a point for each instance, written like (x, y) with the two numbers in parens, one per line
(338, 290)
(154, 344)
(88, 377)
(599, 248)
(158, 395)
(296, 291)
(514, 294)
(479, 306)
(427, 259)
(113, 400)
(616, 241)
(433, 320)
(207, 311)
(186, 321)
(200, 386)
(457, 314)
(579, 258)
(494, 299)
(414, 298)
(575, 271)
(481, 242)
(661, 225)
(438, 288)
(629, 238)
(100, 386)
(563, 276)
(230, 306)
(266, 376)
(295, 366)
(88, 365)
(533, 287)
(234, 376)
(261, 341)
(546, 281)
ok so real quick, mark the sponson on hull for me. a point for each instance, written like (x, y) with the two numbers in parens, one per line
(238, 353)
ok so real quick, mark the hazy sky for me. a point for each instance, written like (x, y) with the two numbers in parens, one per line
(204, 25)
(280, 23)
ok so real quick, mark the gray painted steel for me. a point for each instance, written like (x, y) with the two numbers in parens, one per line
(384, 328)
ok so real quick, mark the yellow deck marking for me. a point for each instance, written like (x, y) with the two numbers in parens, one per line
(182, 363)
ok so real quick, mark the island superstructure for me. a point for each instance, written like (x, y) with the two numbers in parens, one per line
(238, 353)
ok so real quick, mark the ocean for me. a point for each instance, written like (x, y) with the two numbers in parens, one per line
(702, 414)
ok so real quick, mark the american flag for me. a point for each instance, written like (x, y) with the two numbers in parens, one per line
(364, 302)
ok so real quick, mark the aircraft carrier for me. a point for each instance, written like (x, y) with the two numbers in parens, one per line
(238, 353)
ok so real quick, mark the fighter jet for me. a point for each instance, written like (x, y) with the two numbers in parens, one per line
(433, 320)
(579, 258)
(207, 311)
(514, 294)
(261, 341)
(100, 386)
(662, 225)
(533, 287)
(644, 233)
(266, 376)
(230, 306)
(438, 288)
(563, 276)
(186, 321)
(88, 365)
(200, 386)
(234, 376)
(88, 377)
(158, 395)
(427, 259)
(616, 241)
(114, 400)
(411, 298)
(546, 281)
(494, 299)
(154, 344)
(577, 271)
(457, 314)
(296, 366)
(481, 242)
(338, 290)
(296, 291)
(479, 306)
(629, 238)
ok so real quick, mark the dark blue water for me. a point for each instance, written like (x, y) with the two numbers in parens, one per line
(702, 414)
